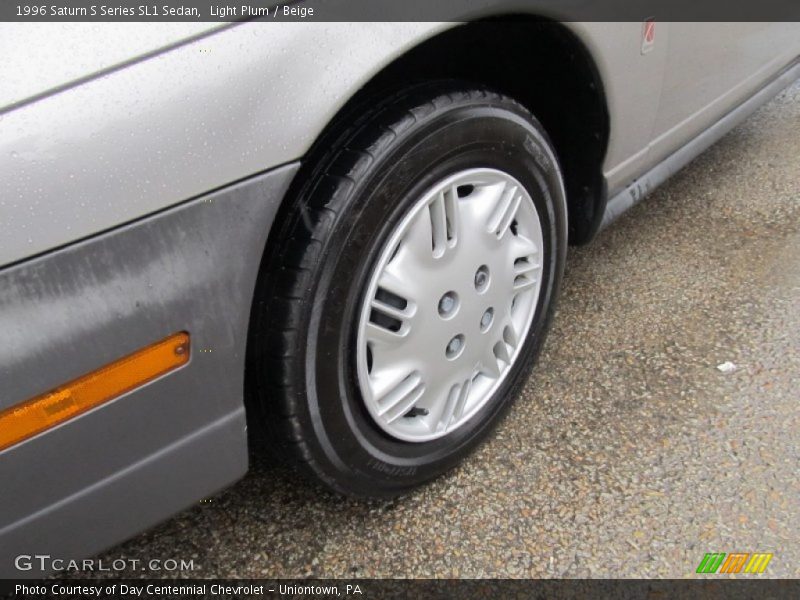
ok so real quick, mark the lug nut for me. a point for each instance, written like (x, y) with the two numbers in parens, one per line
(482, 278)
(454, 347)
(448, 304)
(487, 318)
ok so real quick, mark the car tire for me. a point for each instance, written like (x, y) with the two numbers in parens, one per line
(306, 377)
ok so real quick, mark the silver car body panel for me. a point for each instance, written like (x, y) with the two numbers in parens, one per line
(641, 187)
(125, 465)
(708, 69)
(92, 49)
(191, 119)
(217, 108)
(222, 106)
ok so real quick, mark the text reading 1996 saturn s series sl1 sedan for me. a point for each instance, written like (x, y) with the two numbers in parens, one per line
(347, 236)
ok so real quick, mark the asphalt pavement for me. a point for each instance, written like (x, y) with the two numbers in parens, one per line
(629, 453)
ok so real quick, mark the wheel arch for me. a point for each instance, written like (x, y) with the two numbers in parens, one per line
(574, 87)
(543, 64)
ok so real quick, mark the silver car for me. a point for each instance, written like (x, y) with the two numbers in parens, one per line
(339, 242)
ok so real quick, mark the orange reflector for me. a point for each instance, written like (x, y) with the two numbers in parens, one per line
(33, 416)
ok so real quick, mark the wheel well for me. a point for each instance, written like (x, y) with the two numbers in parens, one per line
(539, 63)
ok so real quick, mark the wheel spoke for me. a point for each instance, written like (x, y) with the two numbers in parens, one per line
(395, 282)
(523, 282)
(501, 351)
(401, 397)
(504, 211)
(454, 408)
(489, 365)
(391, 312)
(381, 335)
(525, 272)
(443, 212)
(510, 335)
(526, 264)
(452, 210)
(522, 245)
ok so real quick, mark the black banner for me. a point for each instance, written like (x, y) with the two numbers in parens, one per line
(432, 589)
(395, 10)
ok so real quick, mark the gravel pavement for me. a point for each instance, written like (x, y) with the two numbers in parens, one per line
(629, 454)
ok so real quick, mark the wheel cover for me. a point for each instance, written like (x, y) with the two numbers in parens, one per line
(449, 304)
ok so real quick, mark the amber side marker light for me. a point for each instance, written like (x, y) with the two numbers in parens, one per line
(38, 414)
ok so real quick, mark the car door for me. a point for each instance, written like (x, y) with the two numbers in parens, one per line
(711, 68)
